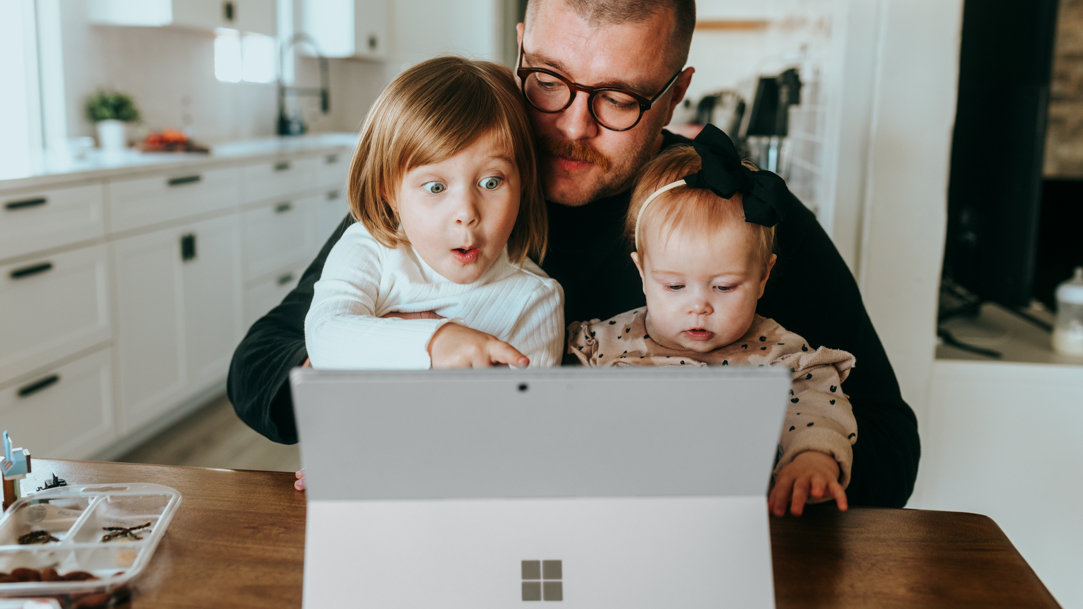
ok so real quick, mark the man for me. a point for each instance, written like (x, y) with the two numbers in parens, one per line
(581, 63)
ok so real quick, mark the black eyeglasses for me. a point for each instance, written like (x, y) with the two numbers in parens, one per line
(613, 108)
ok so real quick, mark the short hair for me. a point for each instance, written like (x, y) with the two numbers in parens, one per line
(695, 208)
(429, 113)
(616, 12)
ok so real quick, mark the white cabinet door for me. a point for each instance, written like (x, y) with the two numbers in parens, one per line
(212, 293)
(277, 236)
(329, 210)
(150, 373)
(64, 411)
(178, 314)
(53, 307)
(346, 28)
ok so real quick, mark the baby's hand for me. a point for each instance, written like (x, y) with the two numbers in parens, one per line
(299, 484)
(455, 346)
(810, 474)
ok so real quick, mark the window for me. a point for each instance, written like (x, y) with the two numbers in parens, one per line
(20, 131)
(244, 57)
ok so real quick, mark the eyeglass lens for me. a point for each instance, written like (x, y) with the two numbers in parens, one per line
(613, 109)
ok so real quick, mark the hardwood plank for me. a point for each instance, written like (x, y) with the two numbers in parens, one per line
(213, 436)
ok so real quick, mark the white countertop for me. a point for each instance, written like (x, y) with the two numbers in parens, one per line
(51, 169)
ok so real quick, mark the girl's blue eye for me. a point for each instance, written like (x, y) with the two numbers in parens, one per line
(674, 287)
(434, 187)
(723, 288)
(490, 183)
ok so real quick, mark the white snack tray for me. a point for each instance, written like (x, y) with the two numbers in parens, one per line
(77, 516)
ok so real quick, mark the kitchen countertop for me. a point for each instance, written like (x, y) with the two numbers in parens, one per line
(55, 169)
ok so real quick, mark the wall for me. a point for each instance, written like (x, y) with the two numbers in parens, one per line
(906, 175)
(170, 74)
(472, 28)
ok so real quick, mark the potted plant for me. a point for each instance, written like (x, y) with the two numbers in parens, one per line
(110, 111)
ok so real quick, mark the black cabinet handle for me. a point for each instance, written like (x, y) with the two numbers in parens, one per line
(283, 166)
(188, 247)
(282, 208)
(373, 42)
(330, 159)
(228, 11)
(284, 279)
(184, 180)
(25, 203)
(35, 269)
(332, 195)
(38, 385)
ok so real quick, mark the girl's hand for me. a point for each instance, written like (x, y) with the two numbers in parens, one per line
(455, 346)
(299, 484)
(810, 474)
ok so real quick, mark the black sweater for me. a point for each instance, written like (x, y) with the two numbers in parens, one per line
(811, 292)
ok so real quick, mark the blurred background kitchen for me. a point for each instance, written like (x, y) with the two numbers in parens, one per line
(131, 270)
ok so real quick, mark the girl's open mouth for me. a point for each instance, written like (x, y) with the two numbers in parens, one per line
(699, 334)
(465, 255)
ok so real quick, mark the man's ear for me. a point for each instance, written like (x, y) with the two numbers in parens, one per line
(767, 273)
(519, 28)
(679, 89)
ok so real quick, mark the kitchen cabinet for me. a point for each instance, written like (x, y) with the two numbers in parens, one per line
(178, 305)
(346, 28)
(54, 305)
(160, 198)
(257, 16)
(65, 409)
(126, 290)
(33, 220)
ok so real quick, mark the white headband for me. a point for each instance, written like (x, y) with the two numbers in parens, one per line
(654, 195)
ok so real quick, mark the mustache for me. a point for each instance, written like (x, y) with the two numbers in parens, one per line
(578, 151)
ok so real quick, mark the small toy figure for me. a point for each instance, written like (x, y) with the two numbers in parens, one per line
(15, 465)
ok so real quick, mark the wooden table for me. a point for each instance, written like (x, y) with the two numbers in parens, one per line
(237, 541)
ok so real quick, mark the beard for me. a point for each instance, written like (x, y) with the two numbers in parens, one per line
(614, 176)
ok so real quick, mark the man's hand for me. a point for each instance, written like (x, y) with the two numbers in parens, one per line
(810, 474)
(455, 346)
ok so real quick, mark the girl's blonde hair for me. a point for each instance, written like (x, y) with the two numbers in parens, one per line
(697, 209)
(428, 114)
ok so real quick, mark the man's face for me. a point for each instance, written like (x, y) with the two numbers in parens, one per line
(581, 161)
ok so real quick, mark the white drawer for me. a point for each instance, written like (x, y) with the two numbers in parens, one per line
(264, 295)
(65, 411)
(330, 208)
(52, 307)
(277, 236)
(279, 179)
(164, 197)
(334, 169)
(37, 220)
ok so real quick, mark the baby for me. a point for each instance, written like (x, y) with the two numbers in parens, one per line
(703, 227)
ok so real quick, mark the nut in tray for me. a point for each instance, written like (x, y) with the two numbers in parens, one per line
(79, 540)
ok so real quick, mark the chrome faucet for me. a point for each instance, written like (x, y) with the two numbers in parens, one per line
(293, 125)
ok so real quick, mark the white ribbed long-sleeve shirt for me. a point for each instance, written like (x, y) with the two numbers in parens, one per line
(363, 280)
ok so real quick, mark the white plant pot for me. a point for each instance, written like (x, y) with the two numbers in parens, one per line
(111, 135)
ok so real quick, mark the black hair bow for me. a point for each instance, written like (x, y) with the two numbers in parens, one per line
(723, 174)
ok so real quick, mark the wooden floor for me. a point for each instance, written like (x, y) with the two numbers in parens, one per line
(213, 436)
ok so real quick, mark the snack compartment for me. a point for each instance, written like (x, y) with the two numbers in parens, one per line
(42, 522)
(119, 518)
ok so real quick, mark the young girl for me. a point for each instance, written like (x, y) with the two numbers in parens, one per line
(435, 272)
(702, 224)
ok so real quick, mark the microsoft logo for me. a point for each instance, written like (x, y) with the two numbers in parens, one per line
(542, 580)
